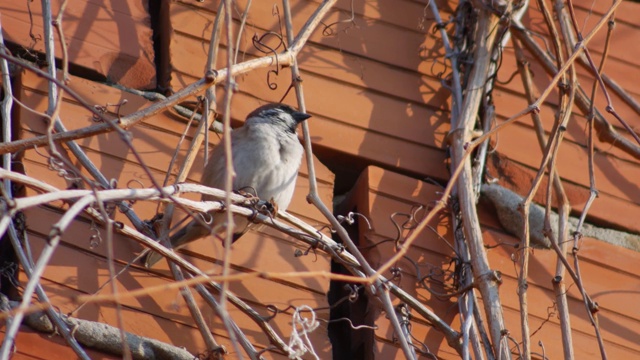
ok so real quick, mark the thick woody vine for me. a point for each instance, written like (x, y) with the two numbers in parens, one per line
(473, 41)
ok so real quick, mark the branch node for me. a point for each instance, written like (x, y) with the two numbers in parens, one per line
(55, 231)
(11, 204)
(210, 76)
(494, 276)
(579, 44)
(217, 352)
(577, 235)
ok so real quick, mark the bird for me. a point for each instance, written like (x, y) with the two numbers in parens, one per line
(266, 155)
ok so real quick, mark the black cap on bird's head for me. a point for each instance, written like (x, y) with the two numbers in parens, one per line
(273, 113)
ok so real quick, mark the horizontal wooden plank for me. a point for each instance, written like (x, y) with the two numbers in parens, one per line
(508, 104)
(616, 335)
(625, 12)
(125, 173)
(584, 343)
(587, 16)
(614, 176)
(31, 345)
(541, 80)
(365, 147)
(113, 40)
(385, 42)
(137, 322)
(344, 44)
(343, 116)
(393, 187)
(321, 61)
(150, 138)
(607, 211)
(407, 124)
(260, 250)
(116, 161)
(87, 272)
(393, 12)
(597, 280)
(435, 238)
(384, 191)
(620, 60)
(429, 83)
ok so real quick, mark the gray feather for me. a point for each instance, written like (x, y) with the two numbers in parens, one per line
(266, 158)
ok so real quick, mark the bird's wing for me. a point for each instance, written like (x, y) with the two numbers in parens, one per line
(214, 171)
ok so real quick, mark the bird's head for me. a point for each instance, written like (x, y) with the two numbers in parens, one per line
(279, 115)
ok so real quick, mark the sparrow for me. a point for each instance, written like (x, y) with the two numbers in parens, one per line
(266, 157)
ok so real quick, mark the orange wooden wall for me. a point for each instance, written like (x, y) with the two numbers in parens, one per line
(374, 90)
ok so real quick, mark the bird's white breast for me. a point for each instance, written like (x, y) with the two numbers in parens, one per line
(264, 160)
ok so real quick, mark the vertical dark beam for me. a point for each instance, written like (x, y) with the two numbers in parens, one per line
(161, 27)
(349, 343)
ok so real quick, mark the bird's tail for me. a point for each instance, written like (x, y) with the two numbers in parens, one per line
(185, 235)
(194, 231)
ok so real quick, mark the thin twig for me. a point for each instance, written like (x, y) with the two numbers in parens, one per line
(61, 326)
(212, 346)
(381, 292)
(606, 132)
(470, 146)
(241, 338)
(243, 21)
(229, 170)
(563, 21)
(5, 112)
(563, 205)
(212, 78)
(309, 235)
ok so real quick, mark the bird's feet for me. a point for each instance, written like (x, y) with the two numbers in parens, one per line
(269, 208)
(248, 192)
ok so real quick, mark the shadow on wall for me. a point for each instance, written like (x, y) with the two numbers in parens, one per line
(386, 100)
(111, 41)
(397, 100)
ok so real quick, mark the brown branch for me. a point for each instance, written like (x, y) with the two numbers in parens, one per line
(379, 290)
(486, 280)
(606, 132)
(107, 338)
(284, 58)
(563, 202)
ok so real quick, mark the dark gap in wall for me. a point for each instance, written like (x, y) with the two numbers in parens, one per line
(349, 301)
(348, 168)
(9, 266)
(39, 60)
(161, 28)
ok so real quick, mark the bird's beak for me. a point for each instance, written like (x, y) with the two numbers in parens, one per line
(300, 116)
